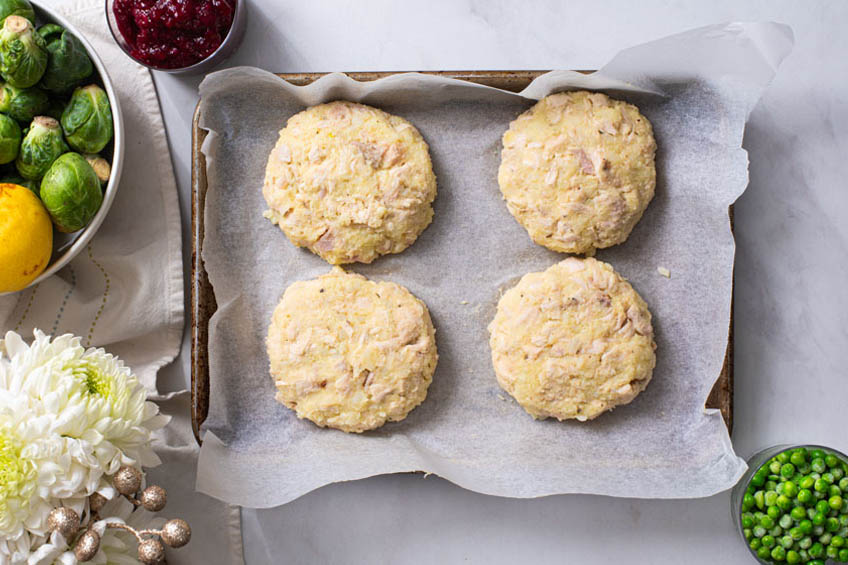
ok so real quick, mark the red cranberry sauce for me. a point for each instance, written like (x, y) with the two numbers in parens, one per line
(172, 34)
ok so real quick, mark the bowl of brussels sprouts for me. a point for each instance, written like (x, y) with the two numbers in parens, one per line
(61, 137)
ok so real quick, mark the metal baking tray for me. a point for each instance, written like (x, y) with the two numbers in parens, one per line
(203, 303)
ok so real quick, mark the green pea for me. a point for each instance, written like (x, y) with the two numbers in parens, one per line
(843, 484)
(843, 556)
(805, 525)
(774, 467)
(770, 497)
(798, 456)
(785, 521)
(838, 473)
(831, 552)
(776, 532)
(843, 520)
(831, 460)
(818, 519)
(747, 533)
(835, 502)
(771, 485)
(837, 541)
(824, 539)
(804, 468)
(789, 489)
(818, 530)
(822, 506)
(804, 495)
(768, 541)
(787, 542)
(805, 542)
(795, 533)
(759, 531)
(818, 465)
(792, 556)
(811, 512)
(773, 512)
(754, 544)
(778, 553)
(747, 520)
(832, 525)
(828, 478)
(804, 555)
(817, 454)
(787, 470)
(798, 513)
(821, 485)
(784, 502)
(782, 457)
(806, 483)
(759, 499)
(816, 550)
(834, 491)
(815, 562)
(764, 553)
(758, 479)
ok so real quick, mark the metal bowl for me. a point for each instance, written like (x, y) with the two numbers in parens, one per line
(227, 47)
(754, 463)
(67, 246)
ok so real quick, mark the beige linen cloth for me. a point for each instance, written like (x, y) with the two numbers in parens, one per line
(124, 291)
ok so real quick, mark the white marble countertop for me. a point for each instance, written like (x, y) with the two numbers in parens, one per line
(791, 303)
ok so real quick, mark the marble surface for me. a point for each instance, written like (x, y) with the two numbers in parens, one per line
(791, 305)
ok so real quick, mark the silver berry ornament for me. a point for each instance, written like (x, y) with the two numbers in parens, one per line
(87, 546)
(96, 502)
(151, 552)
(127, 480)
(176, 533)
(153, 498)
(65, 521)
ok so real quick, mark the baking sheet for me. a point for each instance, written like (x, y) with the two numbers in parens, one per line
(697, 89)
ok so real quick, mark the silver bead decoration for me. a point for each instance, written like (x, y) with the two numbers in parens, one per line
(96, 502)
(65, 521)
(127, 480)
(87, 546)
(151, 552)
(176, 533)
(153, 498)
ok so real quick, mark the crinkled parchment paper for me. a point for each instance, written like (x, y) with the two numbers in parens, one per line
(697, 89)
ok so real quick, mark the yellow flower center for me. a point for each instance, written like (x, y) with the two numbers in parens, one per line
(16, 473)
(93, 381)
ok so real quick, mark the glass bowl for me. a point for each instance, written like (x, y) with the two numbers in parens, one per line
(754, 463)
(227, 47)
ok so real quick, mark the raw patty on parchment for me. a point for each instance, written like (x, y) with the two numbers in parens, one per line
(350, 182)
(577, 170)
(573, 341)
(350, 353)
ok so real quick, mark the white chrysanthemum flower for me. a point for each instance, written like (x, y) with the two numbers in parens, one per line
(32, 463)
(95, 398)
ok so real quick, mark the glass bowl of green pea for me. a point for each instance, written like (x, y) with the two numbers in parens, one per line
(791, 506)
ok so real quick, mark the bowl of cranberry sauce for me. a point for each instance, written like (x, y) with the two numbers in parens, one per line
(177, 36)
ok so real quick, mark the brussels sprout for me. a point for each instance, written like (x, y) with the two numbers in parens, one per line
(87, 119)
(68, 63)
(23, 55)
(101, 167)
(10, 139)
(23, 104)
(16, 8)
(41, 146)
(71, 192)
